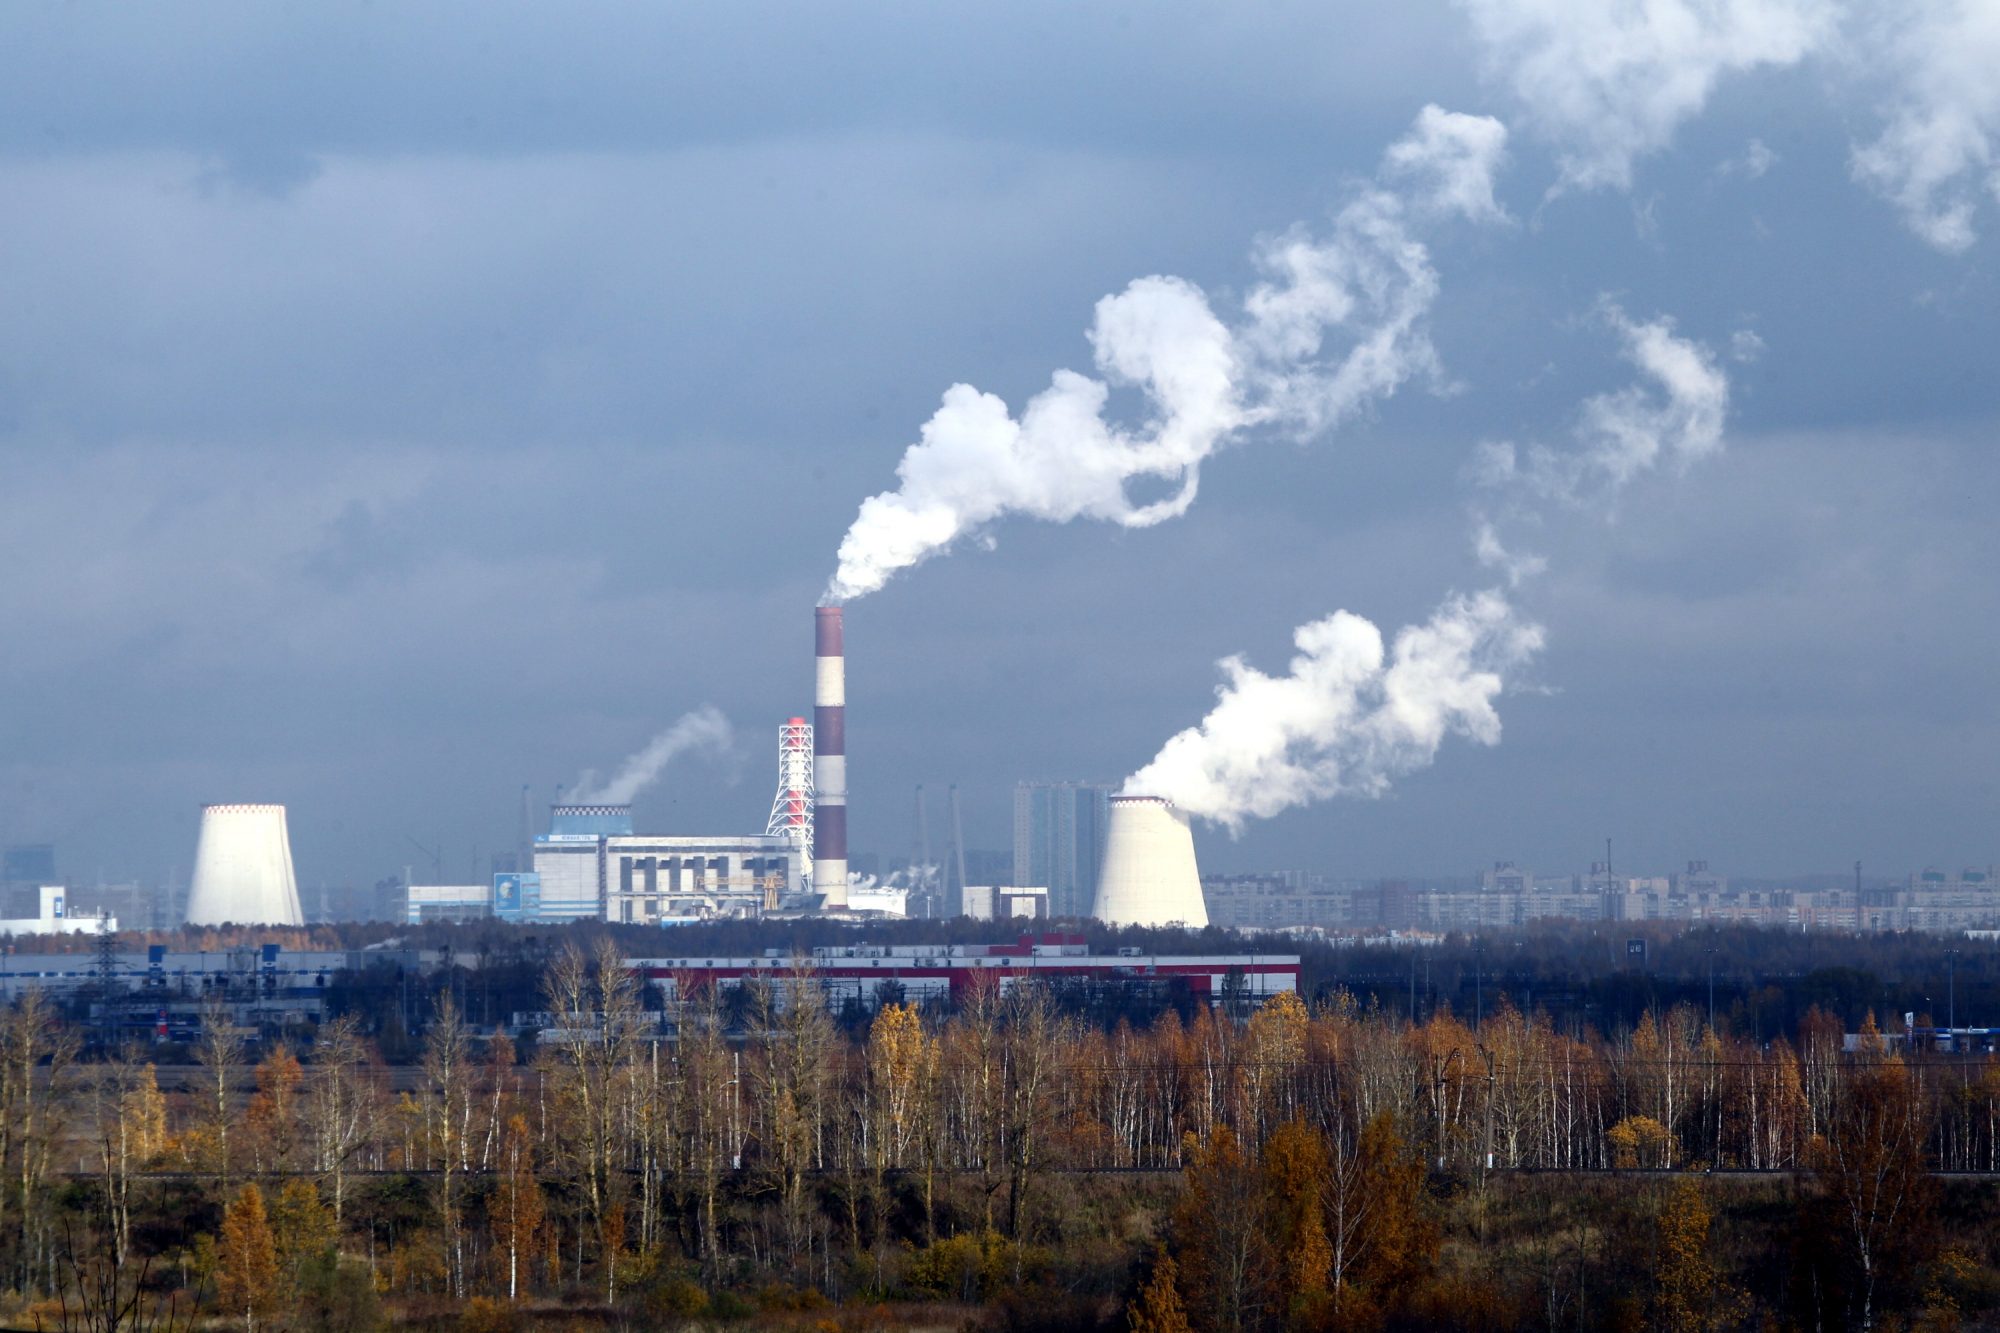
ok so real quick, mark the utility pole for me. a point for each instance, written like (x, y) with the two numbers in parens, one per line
(524, 837)
(1951, 959)
(1478, 984)
(921, 881)
(1711, 981)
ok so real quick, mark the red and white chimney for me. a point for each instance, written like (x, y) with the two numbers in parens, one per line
(829, 850)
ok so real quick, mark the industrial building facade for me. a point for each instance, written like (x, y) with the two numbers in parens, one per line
(1510, 895)
(866, 974)
(590, 865)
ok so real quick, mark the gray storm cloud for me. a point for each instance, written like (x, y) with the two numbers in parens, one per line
(704, 728)
(1335, 324)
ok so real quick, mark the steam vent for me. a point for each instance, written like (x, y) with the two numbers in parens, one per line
(1149, 876)
(243, 868)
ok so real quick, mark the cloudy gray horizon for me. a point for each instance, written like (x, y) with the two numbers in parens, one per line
(402, 405)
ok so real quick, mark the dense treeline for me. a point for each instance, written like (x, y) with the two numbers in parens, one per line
(1331, 1164)
(1761, 980)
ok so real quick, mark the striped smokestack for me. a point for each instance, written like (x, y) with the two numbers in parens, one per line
(829, 758)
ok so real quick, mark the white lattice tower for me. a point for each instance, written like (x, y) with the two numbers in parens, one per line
(792, 808)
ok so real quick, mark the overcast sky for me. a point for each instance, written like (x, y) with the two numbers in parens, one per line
(399, 404)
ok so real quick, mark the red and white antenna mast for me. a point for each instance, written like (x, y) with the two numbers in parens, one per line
(792, 809)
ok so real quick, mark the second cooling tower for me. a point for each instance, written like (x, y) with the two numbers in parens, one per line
(243, 868)
(1149, 876)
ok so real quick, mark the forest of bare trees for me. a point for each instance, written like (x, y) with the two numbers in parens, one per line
(1296, 1167)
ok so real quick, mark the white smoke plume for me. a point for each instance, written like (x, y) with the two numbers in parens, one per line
(1609, 81)
(1350, 716)
(704, 728)
(1678, 417)
(1367, 285)
(1942, 139)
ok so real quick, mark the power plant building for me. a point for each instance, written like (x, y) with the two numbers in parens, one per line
(997, 902)
(592, 864)
(55, 918)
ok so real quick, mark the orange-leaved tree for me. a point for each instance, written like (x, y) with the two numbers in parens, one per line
(516, 1208)
(1295, 1188)
(1689, 1294)
(1399, 1240)
(1219, 1239)
(1872, 1173)
(1158, 1307)
(246, 1279)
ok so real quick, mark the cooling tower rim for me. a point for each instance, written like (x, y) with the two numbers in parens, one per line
(1136, 799)
(240, 808)
(591, 807)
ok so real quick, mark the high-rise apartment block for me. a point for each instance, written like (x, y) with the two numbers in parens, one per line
(1059, 841)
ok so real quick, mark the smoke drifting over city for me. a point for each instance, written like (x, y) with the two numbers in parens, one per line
(1677, 418)
(1457, 398)
(1352, 713)
(403, 405)
(1336, 324)
(1348, 718)
(703, 729)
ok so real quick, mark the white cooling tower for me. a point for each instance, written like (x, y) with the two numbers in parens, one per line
(243, 868)
(1149, 876)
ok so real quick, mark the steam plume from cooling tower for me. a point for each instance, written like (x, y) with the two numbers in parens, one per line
(1369, 283)
(704, 728)
(1352, 714)
(1347, 718)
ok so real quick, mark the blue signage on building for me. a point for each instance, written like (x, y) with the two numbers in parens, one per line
(517, 897)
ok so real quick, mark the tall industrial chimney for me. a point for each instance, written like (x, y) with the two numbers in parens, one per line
(1149, 876)
(243, 868)
(829, 759)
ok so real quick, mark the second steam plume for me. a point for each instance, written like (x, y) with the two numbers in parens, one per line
(1366, 287)
(704, 728)
(1338, 322)
(1350, 716)
(1354, 713)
